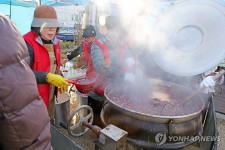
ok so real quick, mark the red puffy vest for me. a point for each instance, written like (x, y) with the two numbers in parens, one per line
(42, 62)
(100, 82)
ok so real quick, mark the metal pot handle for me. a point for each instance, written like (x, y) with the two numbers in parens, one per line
(105, 106)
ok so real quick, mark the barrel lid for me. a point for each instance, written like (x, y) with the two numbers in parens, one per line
(189, 37)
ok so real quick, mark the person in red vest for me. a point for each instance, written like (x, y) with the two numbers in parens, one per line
(44, 51)
(105, 56)
(89, 38)
(128, 54)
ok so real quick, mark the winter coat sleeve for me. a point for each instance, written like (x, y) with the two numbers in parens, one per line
(75, 53)
(40, 76)
(98, 60)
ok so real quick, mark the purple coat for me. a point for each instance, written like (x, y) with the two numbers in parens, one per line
(24, 121)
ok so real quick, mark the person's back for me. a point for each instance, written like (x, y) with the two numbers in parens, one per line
(104, 55)
(24, 121)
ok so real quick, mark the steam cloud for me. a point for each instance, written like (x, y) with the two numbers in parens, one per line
(139, 19)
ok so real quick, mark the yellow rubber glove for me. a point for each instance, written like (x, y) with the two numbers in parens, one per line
(58, 81)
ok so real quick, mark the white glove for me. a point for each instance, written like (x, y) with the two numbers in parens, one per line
(129, 61)
(69, 65)
(220, 80)
(208, 82)
(129, 77)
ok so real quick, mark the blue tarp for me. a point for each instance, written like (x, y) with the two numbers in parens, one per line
(33, 3)
(21, 16)
(21, 11)
(64, 2)
(27, 3)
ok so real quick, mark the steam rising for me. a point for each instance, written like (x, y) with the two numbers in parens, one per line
(140, 20)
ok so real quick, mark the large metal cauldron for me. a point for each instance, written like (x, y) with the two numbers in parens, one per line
(160, 114)
(157, 101)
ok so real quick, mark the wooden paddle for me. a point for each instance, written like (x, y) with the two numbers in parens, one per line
(200, 89)
(192, 95)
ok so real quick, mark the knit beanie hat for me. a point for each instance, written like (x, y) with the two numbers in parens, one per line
(89, 32)
(45, 16)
